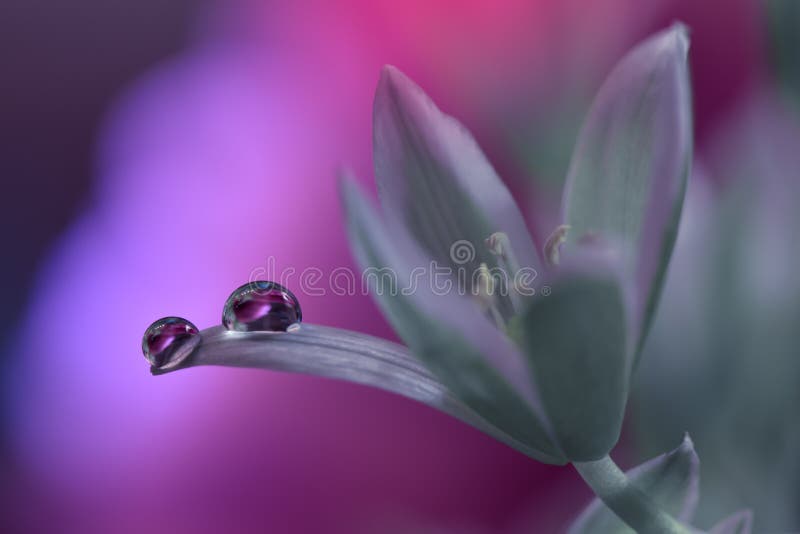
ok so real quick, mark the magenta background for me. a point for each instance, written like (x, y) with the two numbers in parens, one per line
(226, 153)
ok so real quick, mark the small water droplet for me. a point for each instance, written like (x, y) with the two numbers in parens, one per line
(169, 341)
(262, 306)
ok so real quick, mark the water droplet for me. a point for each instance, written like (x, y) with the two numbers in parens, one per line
(262, 306)
(169, 341)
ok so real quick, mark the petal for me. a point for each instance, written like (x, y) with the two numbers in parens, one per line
(454, 340)
(575, 341)
(340, 354)
(739, 523)
(434, 179)
(671, 480)
(628, 174)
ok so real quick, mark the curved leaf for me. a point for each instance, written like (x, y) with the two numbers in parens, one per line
(671, 480)
(343, 355)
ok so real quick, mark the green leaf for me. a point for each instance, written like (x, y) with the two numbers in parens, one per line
(671, 480)
(449, 333)
(628, 174)
(575, 341)
(739, 523)
(339, 354)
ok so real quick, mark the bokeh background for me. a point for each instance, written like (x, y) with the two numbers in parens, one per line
(155, 153)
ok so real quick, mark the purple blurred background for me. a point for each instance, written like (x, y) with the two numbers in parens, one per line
(155, 153)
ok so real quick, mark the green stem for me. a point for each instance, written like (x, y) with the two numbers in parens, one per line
(631, 504)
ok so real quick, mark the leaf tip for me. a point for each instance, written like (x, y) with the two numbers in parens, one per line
(740, 522)
(686, 453)
(392, 83)
(686, 450)
(398, 93)
(670, 45)
(390, 74)
(680, 30)
(682, 35)
(687, 445)
(677, 39)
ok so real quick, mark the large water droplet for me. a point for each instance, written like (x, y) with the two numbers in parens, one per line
(169, 341)
(262, 306)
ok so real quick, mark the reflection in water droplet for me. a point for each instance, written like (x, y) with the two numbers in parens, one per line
(169, 341)
(262, 306)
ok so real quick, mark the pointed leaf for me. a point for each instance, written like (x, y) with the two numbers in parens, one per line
(575, 341)
(434, 179)
(339, 354)
(671, 480)
(454, 340)
(627, 177)
(739, 523)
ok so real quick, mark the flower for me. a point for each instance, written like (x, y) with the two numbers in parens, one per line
(551, 370)
(545, 373)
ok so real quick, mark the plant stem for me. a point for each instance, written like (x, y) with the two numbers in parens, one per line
(630, 504)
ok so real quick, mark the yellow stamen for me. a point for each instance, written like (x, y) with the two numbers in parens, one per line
(500, 245)
(484, 291)
(552, 247)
